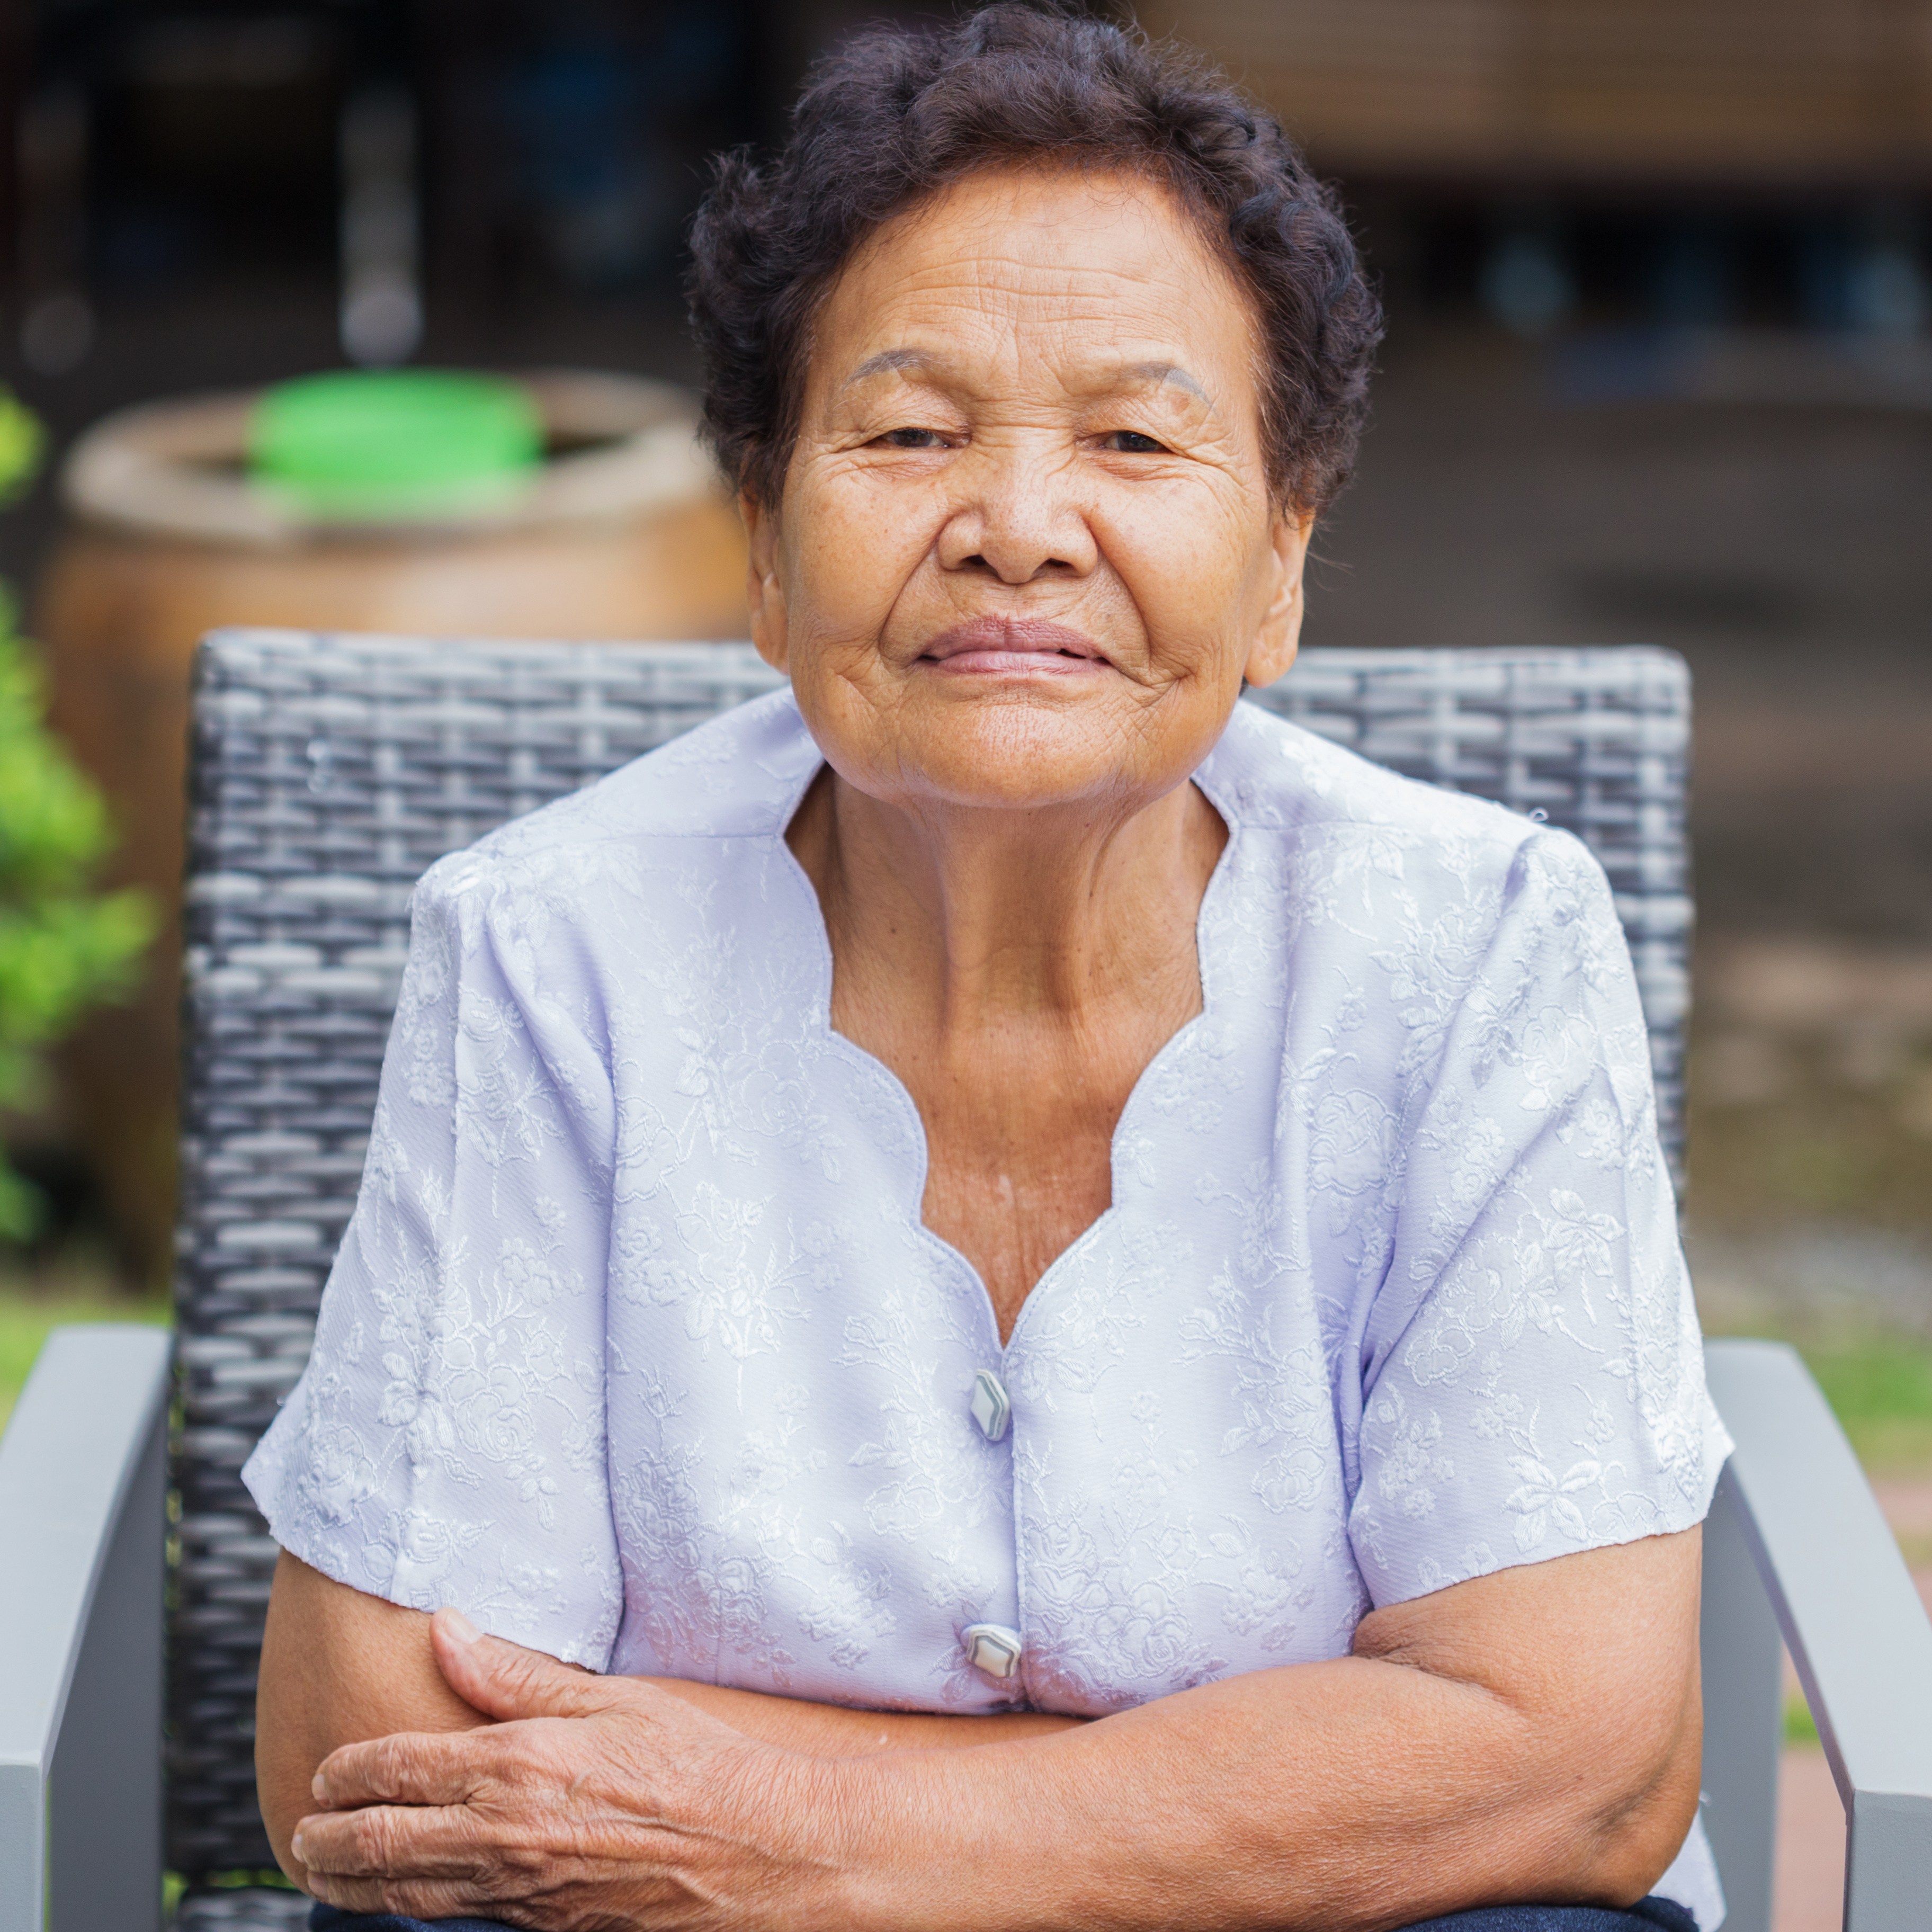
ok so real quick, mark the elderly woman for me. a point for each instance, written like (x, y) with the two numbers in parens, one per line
(996, 1292)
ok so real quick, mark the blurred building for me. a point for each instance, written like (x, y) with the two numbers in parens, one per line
(385, 179)
(1691, 163)
(388, 147)
(1672, 92)
(201, 194)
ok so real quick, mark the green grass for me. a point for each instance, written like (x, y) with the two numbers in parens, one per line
(29, 1308)
(1800, 1727)
(1880, 1388)
(1878, 1382)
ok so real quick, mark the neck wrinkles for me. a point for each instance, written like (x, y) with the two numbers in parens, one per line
(979, 917)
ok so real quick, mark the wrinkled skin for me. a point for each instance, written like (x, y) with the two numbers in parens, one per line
(1530, 1735)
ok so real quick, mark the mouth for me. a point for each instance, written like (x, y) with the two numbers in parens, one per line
(1009, 647)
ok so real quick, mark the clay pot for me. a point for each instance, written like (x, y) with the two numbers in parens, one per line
(623, 534)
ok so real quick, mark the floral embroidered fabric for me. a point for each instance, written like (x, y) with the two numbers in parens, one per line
(637, 1348)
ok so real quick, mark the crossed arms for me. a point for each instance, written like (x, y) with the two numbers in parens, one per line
(1532, 1735)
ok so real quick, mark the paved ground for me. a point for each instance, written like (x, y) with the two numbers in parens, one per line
(1809, 1897)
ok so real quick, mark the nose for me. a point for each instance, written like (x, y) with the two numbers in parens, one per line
(1019, 518)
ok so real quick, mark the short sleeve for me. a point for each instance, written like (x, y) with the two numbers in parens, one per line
(1533, 1371)
(446, 1444)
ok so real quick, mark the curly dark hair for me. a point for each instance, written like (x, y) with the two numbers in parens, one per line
(895, 116)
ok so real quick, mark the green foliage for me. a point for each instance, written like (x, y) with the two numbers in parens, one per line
(20, 446)
(64, 946)
(1875, 1379)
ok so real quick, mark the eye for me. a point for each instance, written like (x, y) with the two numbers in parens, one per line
(1131, 442)
(913, 438)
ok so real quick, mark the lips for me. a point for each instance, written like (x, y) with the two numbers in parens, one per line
(1014, 647)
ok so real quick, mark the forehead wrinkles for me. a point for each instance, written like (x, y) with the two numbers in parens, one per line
(1033, 291)
(1024, 211)
(1028, 234)
(1089, 348)
(988, 282)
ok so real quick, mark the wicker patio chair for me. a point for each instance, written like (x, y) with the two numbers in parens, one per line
(328, 773)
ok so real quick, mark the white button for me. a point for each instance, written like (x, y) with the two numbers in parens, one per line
(992, 1410)
(992, 1647)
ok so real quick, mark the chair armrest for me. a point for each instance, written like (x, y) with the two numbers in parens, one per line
(1851, 1617)
(83, 1469)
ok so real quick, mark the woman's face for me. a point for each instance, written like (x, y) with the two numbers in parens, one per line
(1027, 550)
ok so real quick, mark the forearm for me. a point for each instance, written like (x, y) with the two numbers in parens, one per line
(831, 1730)
(1534, 1735)
(1353, 1794)
(337, 1667)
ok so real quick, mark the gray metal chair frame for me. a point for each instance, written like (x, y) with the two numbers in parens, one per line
(328, 773)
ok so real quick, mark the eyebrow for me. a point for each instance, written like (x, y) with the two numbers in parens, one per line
(888, 360)
(1165, 372)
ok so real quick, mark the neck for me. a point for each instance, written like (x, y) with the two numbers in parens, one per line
(983, 918)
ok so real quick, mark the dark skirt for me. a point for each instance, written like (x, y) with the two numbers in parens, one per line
(1647, 1913)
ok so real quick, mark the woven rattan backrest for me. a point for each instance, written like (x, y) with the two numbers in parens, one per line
(328, 771)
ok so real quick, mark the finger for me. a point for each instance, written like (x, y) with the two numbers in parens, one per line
(393, 1841)
(413, 1898)
(503, 1680)
(407, 1768)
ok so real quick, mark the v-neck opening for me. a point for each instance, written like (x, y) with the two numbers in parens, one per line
(869, 1063)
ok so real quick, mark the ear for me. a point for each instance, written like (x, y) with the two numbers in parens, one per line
(1280, 635)
(764, 585)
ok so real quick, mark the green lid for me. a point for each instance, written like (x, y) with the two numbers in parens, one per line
(371, 443)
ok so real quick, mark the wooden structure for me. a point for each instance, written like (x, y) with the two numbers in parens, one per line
(1729, 93)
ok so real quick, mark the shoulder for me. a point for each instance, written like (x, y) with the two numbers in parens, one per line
(738, 776)
(1269, 774)
(679, 853)
(1442, 880)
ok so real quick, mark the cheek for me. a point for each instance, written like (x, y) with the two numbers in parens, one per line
(1194, 562)
(863, 541)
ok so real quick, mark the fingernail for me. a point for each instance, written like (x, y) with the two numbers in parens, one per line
(318, 1887)
(458, 1625)
(295, 1846)
(317, 1789)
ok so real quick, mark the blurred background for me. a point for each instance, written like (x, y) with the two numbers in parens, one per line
(1659, 278)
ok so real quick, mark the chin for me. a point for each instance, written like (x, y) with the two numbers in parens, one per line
(1010, 746)
(1018, 757)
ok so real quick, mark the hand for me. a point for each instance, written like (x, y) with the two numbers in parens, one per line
(592, 1802)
